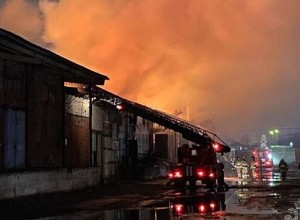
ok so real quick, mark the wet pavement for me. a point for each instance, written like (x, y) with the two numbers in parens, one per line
(264, 197)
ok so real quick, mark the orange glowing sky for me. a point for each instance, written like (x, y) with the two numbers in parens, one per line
(233, 62)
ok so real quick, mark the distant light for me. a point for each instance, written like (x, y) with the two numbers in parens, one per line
(119, 107)
(273, 132)
(291, 144)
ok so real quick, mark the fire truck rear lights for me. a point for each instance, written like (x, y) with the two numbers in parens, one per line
(200, 173)
(177, 174)
(212, 205)
(201, 208)
(178, 207)
(216, 146)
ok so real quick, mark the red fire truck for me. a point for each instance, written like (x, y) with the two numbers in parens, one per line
(198, 163)
(262, 158)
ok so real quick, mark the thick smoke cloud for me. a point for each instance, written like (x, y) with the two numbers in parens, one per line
(234, 62)
(24, 18)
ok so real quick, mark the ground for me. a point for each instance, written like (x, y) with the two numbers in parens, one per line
(266, 197)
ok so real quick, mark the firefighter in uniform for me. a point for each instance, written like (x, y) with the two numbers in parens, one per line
(253, 166)
(283, 168)
(245, 167)
(238, 167)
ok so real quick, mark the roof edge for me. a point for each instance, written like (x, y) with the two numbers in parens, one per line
(41, 53)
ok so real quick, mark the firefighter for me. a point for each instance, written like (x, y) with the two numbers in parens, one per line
(283, 168)
(245, 167)
(238, 167)
(253, 166)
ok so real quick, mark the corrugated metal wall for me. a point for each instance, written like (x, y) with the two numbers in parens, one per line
(44, 119)
(77, 150)
(77, 132)
(33, 96)
(115, 129)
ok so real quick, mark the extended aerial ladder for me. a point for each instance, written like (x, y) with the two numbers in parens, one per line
(189, 131)
(202, 162)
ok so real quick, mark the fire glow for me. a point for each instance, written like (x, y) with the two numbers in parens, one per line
(214, 57)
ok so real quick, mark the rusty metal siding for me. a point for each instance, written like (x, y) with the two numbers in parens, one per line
(143, 131)
(44, 119)
(77, 131)
(1, 113)
(97, 128)
(13, 84)
(77, 151)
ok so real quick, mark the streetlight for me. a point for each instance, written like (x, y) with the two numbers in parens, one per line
(274, 133)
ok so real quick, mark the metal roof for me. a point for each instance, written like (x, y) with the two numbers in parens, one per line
(13, 47)
(189, 131)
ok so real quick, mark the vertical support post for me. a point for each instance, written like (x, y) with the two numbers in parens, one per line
(90, 122)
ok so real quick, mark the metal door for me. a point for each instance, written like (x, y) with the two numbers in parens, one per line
(14, 139)
(96, 149)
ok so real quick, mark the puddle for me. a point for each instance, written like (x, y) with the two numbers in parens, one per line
(239, 203)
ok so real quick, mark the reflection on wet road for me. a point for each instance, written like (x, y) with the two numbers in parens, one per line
(237, 203)
(261, 196)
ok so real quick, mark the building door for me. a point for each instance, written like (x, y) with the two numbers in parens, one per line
(96, 149)
(14, 139)
(161, 145)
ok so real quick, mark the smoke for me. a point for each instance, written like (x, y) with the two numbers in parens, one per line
(232, 62)
(23, 18)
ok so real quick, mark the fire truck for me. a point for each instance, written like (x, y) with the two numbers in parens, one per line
(198, 161)
(262, 157)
